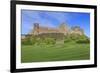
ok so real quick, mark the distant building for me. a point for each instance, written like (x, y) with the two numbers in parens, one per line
(60, 31)
(63, 28)
(40, 29)
(77, 30)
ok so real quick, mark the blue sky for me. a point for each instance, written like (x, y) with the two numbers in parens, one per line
(54, 19)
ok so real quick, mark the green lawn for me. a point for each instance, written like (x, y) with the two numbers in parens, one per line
(57, 52)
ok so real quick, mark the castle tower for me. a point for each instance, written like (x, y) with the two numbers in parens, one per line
(77, 30)
(64, 28)
(36, 28)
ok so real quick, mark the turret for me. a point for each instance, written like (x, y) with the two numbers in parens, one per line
(77, 30)
(64, 28)
(36, 28)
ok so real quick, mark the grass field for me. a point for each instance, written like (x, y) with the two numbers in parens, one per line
(66, 51)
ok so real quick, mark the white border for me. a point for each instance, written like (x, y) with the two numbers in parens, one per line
(20, 65)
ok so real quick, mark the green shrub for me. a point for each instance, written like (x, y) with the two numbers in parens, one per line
(26, 41)
(67, 40)
(33, 40)
(76, 38)
(83, 41)
(49, 41)
(39, 41)
(29, 40)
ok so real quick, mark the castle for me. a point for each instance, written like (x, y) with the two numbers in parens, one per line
(63, 28)
(60, 31)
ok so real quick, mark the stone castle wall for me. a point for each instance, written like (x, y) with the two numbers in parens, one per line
(63, 28)
(58, 32)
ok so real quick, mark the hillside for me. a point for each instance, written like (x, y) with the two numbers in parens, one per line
(47, 48)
